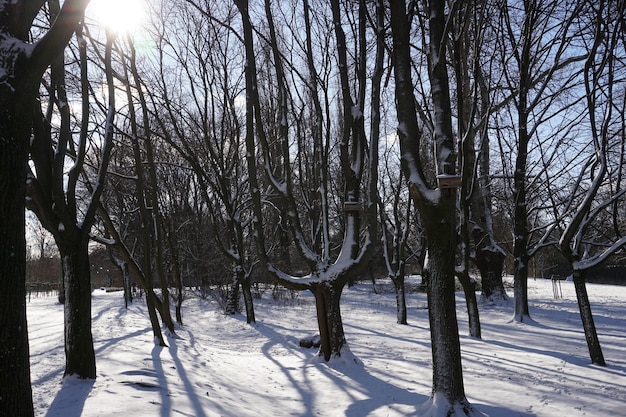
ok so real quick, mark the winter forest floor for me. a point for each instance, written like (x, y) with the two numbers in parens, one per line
(220, 366)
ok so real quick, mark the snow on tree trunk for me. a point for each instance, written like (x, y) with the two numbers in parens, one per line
(399, 285)
(436, 206)
(232, 292)
(80, 359)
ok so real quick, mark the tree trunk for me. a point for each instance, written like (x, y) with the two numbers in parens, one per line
(128, 293)
(398, 283)
(232, 297)
(332, 337)
(446, 350)
(490, 263)
(520, 211)
(469, 289)
(180, 293)
(80, 358)
(520, 290)
(16, 397)
(593, 343)
(246, 285)
(154, 319)
(180, 296)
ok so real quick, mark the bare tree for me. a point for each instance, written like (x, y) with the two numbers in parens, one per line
(59, 208)
(22, 63)
(205, 130)
(329, 273)
(580, 242)
(538, 73)
(434, 199)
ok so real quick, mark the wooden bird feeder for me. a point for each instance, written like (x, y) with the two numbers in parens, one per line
(351, 206)
(448, 181)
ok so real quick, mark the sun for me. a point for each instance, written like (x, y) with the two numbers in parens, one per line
(119, 16)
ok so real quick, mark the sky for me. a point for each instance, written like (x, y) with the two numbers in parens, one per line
(220, 366)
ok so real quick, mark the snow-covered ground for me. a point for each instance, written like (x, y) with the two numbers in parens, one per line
(220, 366)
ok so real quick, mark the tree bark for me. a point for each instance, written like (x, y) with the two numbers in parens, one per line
(520, 289)
(436, 206)
(398, 283)
(246, 289)
(469, 289)
(490, 263)
(16, 398)
(446, 350)
(21, 75)
(593, 343)
(232, 296)
(332, 337)
(80, 358)
(152, 303)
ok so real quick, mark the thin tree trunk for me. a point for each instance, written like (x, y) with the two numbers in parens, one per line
(469, 289)
(128, 293)
(180, 295)
(164, 306)
(593, 343)
(151, 299)
(399, 285)
(145, 280)
(248, 299)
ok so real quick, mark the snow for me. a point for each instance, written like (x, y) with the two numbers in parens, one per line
(220, 366)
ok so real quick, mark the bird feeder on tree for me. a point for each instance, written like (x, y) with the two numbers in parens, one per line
(448, 181)
(351, 206)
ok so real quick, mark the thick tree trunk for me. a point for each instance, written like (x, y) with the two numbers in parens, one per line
(398, 283)
(490, 263)
(80, 358)
(446, 350)
(332, 337)
(16, 397)
(593, 343)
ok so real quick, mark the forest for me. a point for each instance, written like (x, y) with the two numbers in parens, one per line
(308, 145)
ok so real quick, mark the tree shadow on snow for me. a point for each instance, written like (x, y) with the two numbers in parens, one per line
(378, 393)
(70, 400)
(189, 388)
(166, 402)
